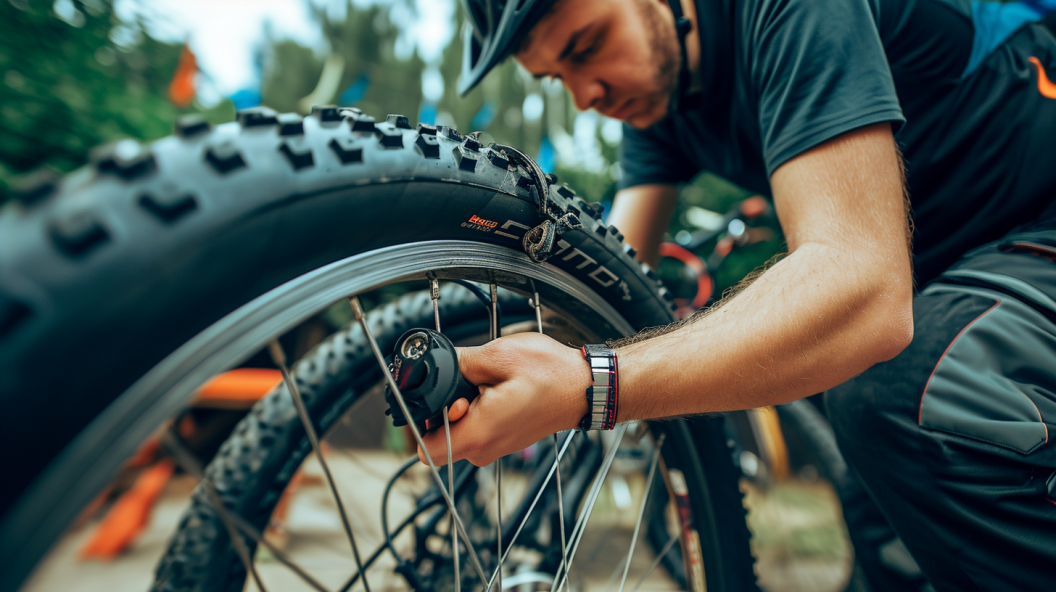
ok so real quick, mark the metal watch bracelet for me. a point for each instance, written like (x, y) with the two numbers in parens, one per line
(603, 392)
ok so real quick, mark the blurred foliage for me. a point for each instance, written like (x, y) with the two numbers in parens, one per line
(817, 530)
(73, 75)
(365, 40)
(66, 85)
(290, 73)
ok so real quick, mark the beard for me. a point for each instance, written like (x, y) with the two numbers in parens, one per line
(664, 60)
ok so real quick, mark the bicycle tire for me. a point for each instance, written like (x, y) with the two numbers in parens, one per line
(816, 443)
(816, 439)
(147, 247)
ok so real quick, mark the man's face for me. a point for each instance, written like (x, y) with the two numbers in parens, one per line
(619, 57)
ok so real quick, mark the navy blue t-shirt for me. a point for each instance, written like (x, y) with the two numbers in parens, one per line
(954, 78)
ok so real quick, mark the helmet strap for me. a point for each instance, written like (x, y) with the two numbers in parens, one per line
(682, 28)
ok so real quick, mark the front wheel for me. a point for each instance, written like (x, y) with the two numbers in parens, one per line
(161, 266)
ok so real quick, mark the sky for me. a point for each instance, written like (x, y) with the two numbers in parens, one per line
(223, 33)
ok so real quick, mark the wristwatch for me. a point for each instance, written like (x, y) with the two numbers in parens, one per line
(603, 392)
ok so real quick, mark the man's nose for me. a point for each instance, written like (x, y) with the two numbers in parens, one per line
(586, 92)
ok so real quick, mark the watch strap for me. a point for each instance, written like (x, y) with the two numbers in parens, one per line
(603, 392)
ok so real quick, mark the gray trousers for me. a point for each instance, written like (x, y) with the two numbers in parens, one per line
(955, 438)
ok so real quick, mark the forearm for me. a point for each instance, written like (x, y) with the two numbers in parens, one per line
(816, 319)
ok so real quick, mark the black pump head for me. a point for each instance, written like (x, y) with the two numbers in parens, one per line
(425, 368)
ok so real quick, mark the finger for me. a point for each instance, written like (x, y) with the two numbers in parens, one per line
(437, 450)
(454, 413)
(436, 443)
(481, 365)
(457, 410)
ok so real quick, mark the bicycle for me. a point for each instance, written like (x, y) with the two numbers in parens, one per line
(159, 266)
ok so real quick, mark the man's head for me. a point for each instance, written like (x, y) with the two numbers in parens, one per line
(620, 57)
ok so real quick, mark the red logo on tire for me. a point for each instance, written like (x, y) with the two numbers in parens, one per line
(482, 222)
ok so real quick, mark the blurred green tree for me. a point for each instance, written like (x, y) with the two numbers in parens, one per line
(363, 43)
(72, 76)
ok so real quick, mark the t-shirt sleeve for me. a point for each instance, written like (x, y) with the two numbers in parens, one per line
(651, 156)
(819, 70)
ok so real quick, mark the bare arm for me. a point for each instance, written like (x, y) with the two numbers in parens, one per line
(642, 215)
(840, 302)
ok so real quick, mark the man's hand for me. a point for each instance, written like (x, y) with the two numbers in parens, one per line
(530, 387)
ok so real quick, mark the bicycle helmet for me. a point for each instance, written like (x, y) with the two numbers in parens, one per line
(496, 27)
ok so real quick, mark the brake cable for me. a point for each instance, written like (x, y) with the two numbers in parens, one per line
(484, 298)
(406, 567)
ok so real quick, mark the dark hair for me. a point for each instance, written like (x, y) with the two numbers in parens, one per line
(521, 41)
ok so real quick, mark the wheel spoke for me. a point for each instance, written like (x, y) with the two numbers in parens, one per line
(434, 295)
(387, 543)
(615, 574)
(357, 310)
(592, 498)
(641, 509)
(560, 512)
(279, 357)
(232, 533)
(557, 459)
(174, 445)
(538, 306)
(496, 332)
(498, 517)
(451, 487)
(670, 544)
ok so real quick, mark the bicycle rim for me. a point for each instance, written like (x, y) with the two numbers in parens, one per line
(255, 324)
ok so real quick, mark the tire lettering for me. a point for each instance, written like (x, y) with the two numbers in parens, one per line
(516, 225)
(482, 222)
(564, 246)
(568, 253)
(601, 270)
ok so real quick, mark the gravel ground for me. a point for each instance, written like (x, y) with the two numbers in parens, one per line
(798, 537)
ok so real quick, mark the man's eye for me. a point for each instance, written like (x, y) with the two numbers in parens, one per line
(582, 55)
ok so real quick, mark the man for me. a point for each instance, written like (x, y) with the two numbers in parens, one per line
(941, 399)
